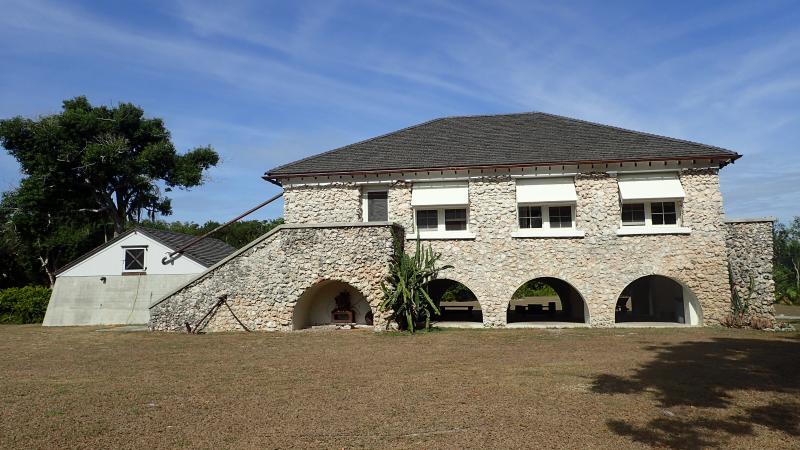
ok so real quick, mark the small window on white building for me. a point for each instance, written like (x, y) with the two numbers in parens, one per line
(375, 204)
(428, 220)
(441, 210)
(546, 207)
(530, 217)
(134, 260)
(633, 214)
(651, 203)
(455, 219)
(560, 216)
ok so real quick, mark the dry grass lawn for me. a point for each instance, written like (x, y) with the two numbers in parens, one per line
(577, 388)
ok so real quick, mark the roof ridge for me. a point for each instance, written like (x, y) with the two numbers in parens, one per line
(150, 229)
(266, 174)
(628, 130)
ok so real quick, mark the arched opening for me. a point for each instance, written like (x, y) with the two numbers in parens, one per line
(458, 306)
(331, 303)
(656, 299)
(546, 302)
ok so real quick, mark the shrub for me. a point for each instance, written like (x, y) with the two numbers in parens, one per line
(405, 291)
(24, 305)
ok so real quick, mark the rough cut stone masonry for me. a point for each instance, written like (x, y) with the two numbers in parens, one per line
(264, 280)
(493, 264)
(599, 266)
(750, 256)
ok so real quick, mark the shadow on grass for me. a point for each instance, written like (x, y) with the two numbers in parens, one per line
(706, 375)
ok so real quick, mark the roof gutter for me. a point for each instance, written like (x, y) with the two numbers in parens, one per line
(274, 181)
(273, 178)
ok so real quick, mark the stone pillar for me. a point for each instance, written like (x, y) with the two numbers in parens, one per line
(750, 254)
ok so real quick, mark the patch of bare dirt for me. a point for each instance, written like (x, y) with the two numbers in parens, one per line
(578, 388)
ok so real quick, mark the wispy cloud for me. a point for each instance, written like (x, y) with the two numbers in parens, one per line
(271, 82)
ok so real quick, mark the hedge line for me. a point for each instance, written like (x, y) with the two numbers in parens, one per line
(24, 305)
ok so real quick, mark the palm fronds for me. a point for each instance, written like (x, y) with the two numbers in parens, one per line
(405, 289)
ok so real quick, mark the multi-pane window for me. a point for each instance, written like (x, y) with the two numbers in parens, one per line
(533, 217)
(134, 259)
(650, 214)
(664, 213)
(455, 219)
(442, 220)
(427, 220)
(377, 206)
(633, 214)
(530, 217)
(560, 216)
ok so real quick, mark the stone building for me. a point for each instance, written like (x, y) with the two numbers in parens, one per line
(545, 220)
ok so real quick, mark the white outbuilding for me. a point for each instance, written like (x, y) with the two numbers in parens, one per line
(115, 283)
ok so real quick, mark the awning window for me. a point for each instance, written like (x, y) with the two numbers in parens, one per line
(440, 194)
(546, 190)
(650, 187)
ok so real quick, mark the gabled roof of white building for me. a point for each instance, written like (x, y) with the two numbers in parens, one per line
(509, 140)
(206, 252)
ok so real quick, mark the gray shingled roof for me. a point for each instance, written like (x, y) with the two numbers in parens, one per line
(499, 140)
(206, 252)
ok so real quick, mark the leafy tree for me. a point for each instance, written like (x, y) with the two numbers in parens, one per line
(534, 288)
(114, 157)
(405, 291)
(40, 226)
(787, 261)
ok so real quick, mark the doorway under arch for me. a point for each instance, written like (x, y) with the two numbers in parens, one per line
(458, 305)
(331, 302)
(656, 299)
(546, 302)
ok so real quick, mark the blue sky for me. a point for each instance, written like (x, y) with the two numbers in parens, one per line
(267, 83)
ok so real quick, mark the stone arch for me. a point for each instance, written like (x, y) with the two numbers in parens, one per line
(464, 306)
(657, 298)
(568, 305)
(317, 302)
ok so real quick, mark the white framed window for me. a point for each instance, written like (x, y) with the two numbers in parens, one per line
(375, 204)
(546, 221)
(546, 208)
(530, 217)
(451, 222)
(651, 214)
(651, 204)
(441, 210)
(134, 259)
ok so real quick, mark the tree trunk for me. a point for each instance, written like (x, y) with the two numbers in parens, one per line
(112, 211)
(51, 273)
(120, 214)
(796, 275)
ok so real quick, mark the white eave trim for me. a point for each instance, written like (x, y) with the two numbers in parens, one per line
(638, 231)
(548, 233)
(437, 235)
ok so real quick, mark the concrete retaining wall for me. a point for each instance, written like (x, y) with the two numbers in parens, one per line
(121, 300)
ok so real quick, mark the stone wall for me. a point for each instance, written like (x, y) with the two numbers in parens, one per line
(600, 265)
(265, 280)
(331, 203)
(750, 253)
